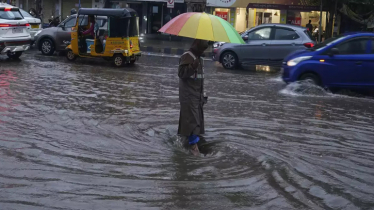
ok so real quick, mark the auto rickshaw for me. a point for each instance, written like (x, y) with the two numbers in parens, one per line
(118, 42)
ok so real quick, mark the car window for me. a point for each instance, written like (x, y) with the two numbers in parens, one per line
(70, 23)
(101, 22)
(352, 47)
(10, 15)
(285, 34)
(84, 22)
(25, 14)
(328, 42)
(260, 34)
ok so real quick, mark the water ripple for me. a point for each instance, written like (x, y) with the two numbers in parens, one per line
(89, 136)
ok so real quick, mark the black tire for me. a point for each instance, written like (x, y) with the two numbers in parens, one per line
(119, 60)
(70, 55)
(14, 55)
(229, 60)
(47, 47)
(311, 78)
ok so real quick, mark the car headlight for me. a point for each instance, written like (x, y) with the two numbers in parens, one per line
(218, 44)
(295, 61)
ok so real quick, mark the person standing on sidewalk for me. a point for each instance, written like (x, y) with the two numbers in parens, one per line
(191, 94)
(309, 26)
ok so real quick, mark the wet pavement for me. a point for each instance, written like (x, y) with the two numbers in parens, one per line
(86, 135)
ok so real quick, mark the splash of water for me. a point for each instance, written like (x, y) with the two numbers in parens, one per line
(276, 79)
(305, 88)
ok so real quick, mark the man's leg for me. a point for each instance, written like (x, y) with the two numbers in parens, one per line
(192, 141)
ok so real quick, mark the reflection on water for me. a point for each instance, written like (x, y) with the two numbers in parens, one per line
(6, 94)
(88, 136)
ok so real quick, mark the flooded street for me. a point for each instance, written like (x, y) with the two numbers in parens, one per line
(86, 135)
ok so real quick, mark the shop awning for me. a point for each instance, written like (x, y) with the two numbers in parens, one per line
(281, 4)
(284, 7)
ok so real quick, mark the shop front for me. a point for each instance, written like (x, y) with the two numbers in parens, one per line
(152, 14)
(245, 14)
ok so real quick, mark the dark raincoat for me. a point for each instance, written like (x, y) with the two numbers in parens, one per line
(191, 90)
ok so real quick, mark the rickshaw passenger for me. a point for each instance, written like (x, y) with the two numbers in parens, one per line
(89, 33)
(91, 30)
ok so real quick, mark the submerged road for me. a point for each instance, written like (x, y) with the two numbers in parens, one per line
(86, 135)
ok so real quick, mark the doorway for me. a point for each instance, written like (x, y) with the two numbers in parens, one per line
(155, 17)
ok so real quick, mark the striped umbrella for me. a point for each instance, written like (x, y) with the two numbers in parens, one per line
(202, 26)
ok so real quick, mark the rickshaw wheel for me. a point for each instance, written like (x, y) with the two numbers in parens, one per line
(70, 55)
(119, 60)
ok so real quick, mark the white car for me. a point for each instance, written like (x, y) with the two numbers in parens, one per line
(35, 23)
(15, 35)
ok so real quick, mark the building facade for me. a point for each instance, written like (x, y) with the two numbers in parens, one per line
(152, 14)
(245, 14)
(55, 7)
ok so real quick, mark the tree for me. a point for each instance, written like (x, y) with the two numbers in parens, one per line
(331, 8)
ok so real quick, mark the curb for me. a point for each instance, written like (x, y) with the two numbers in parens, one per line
(168, 50)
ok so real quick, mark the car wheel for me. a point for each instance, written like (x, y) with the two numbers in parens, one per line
(47, 47)
(313, 78)
(119, 60)
(70, 55)
(229, 60)
(14, 55)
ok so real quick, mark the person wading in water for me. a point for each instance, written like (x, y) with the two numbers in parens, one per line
(191, 95)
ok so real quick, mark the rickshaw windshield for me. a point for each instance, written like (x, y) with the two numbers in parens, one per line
(123, 27)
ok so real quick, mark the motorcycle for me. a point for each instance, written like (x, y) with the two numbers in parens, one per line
(53, 22)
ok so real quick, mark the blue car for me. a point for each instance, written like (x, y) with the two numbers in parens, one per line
(346, 61)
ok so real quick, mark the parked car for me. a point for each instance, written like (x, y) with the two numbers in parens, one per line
(266, 44)
(346, 61)
(54, 39)
(14, 32)
(35, 24)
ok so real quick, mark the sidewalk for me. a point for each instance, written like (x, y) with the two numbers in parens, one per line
(167, 44)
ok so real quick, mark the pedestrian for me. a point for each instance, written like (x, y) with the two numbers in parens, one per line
(310, 26)
(73, 11)
(191, 95)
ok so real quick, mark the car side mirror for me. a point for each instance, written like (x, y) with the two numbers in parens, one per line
(334, 51)
(245, 38)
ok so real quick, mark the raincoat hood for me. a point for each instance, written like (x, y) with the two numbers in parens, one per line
(198, 47)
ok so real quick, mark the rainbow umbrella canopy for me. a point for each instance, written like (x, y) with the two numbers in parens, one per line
(202, 26)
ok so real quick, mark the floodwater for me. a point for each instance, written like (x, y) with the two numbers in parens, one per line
(85, 135)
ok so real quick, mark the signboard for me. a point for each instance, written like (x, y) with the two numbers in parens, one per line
(279, 4)
(295, 21)
(223, 15)
(170, 3)
(284, 7)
